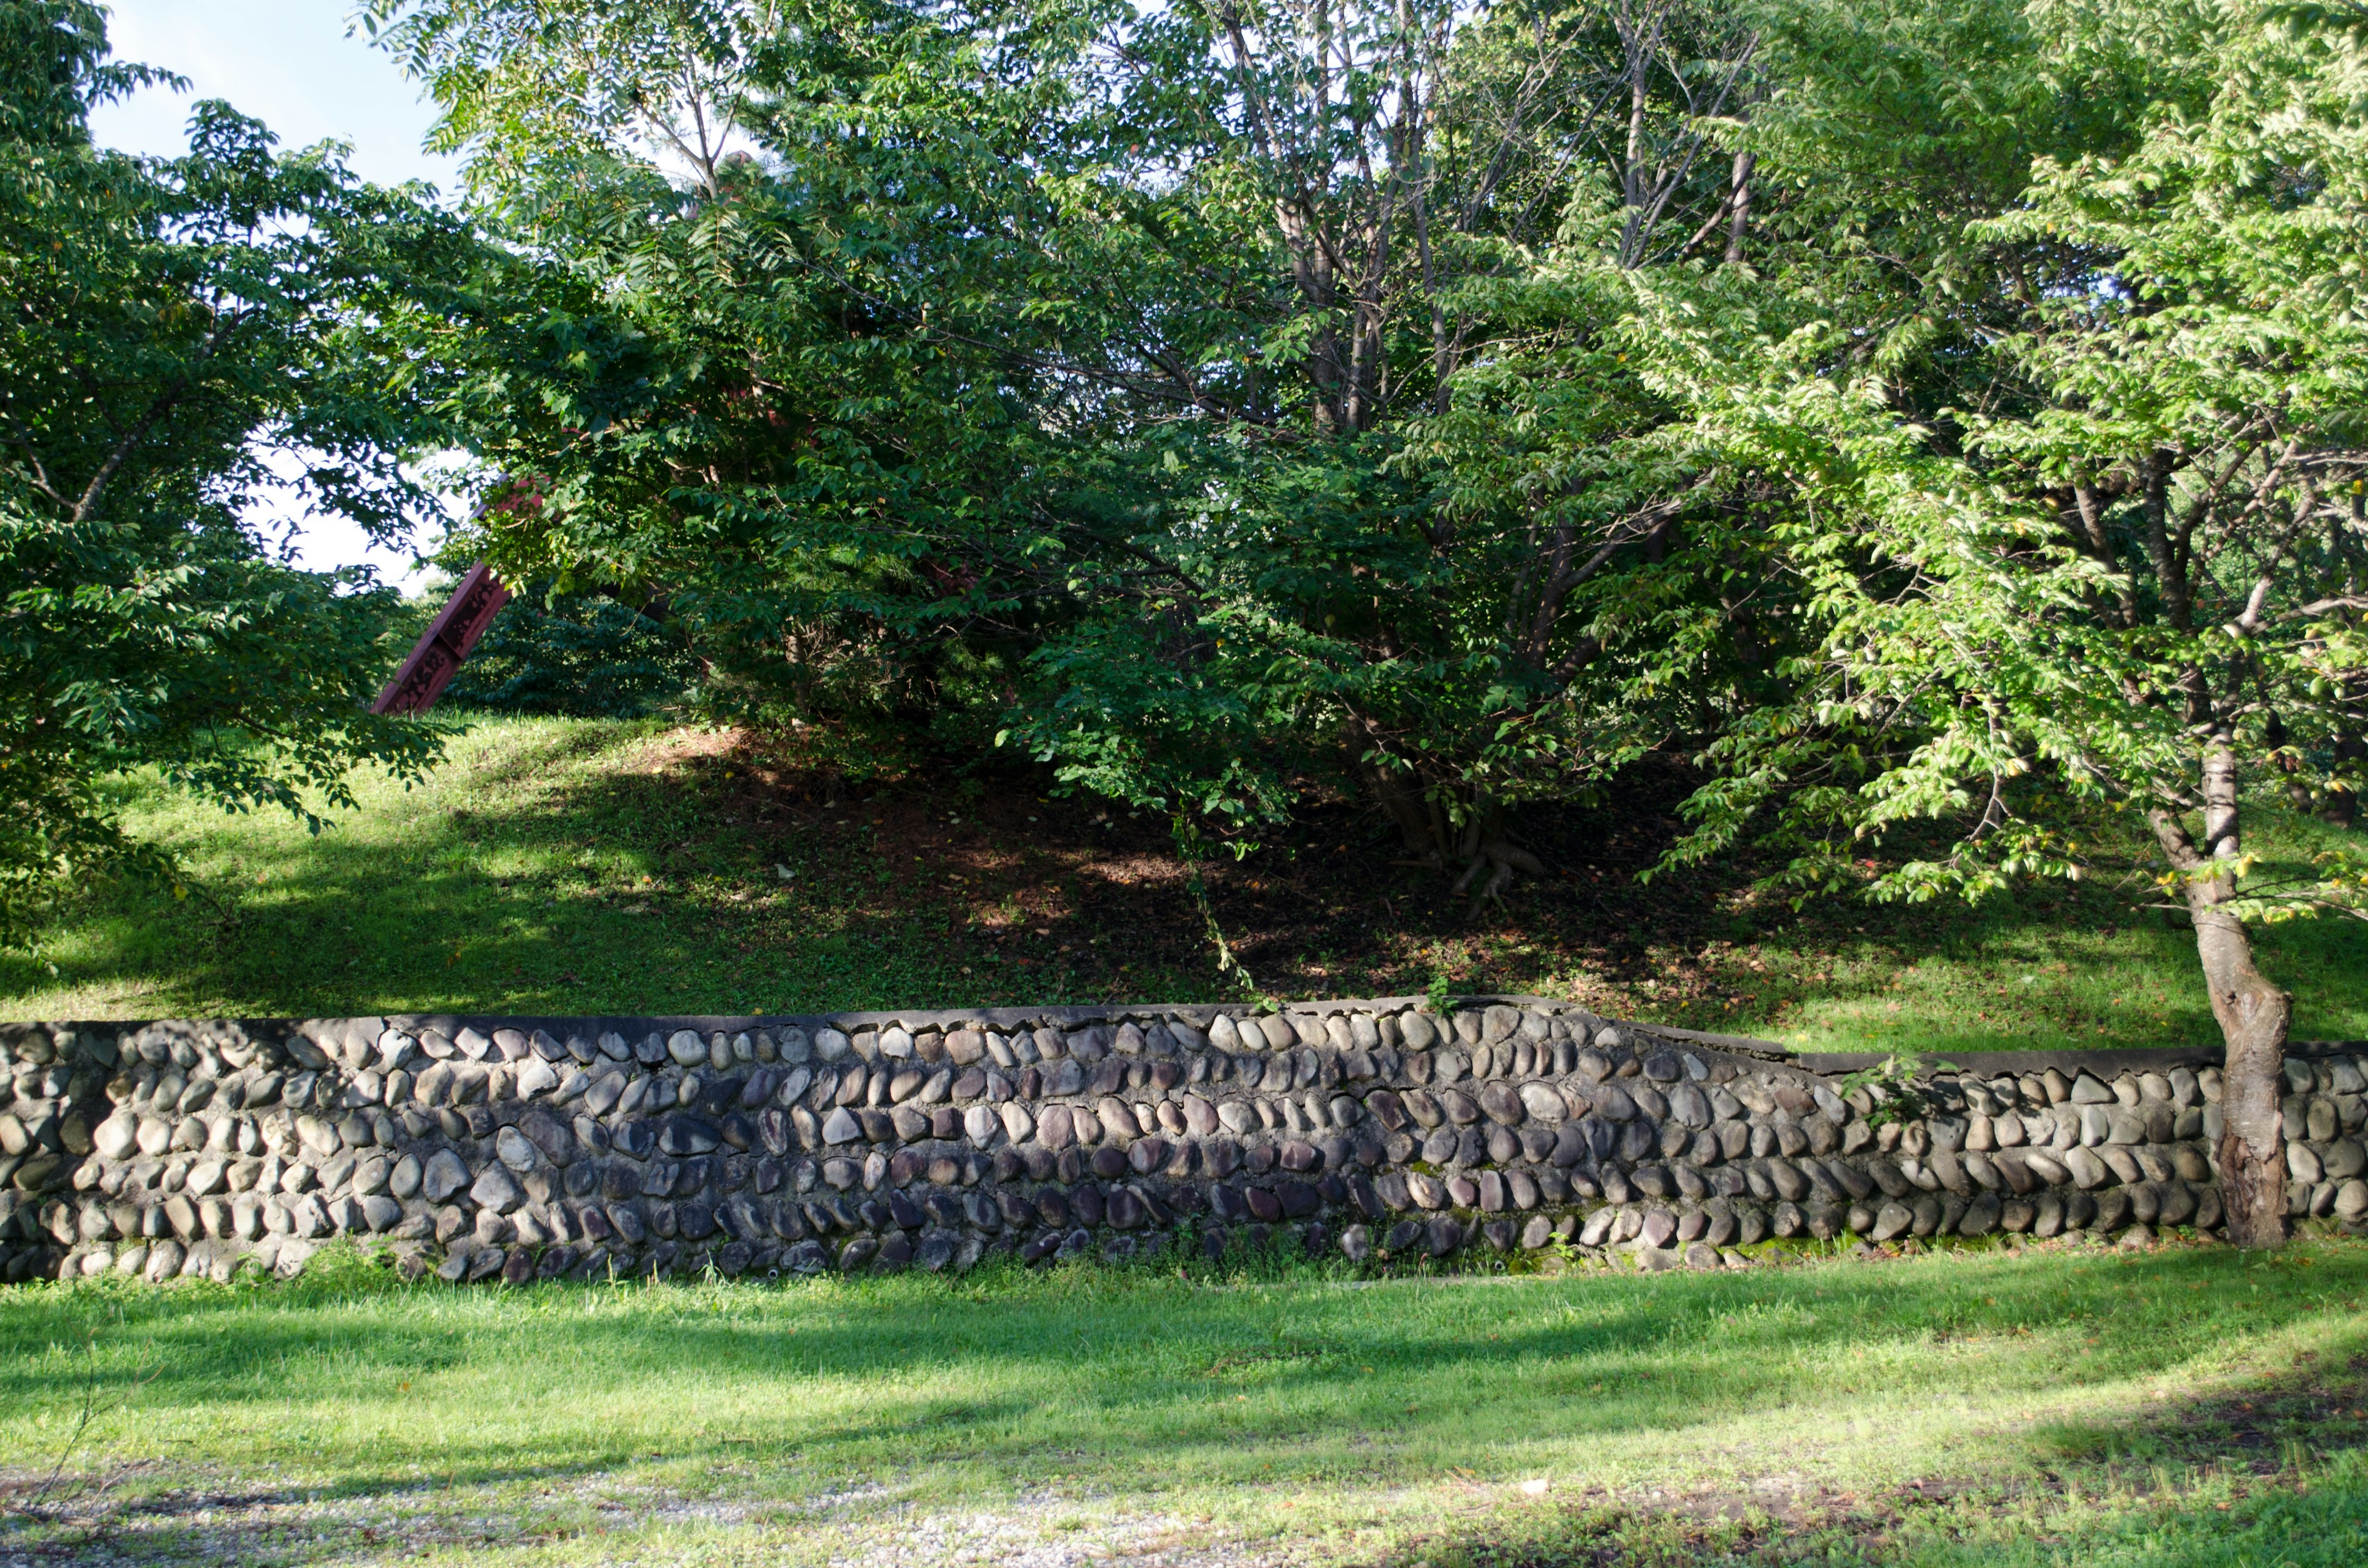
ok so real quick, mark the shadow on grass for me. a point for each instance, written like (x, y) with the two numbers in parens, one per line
(573, 883)
(2268, 1476)
(2271, 1471)
(2318, 1521)
(584, 867)
(1117, 1377)
(1141, 1371)
(276, 1527)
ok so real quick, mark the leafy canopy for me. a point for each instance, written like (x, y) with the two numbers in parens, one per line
(169, 328)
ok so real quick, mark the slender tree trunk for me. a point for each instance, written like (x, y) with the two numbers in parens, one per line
(1739, 220)
(2253, 1014)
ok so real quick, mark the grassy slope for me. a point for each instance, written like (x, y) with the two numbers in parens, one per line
(2060, 1407)
(2075, 1408)
(573, 865)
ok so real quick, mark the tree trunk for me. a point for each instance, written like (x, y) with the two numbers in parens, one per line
(1739, 205)
(2253, 1014)
(1489, 858)
(1399, 792)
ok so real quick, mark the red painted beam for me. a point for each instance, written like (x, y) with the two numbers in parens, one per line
(436, 658)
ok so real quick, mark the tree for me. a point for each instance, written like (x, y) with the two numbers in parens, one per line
(169, 324)
(1406, 565)
(1094, 372)
(2134, 584)
(1919, 415)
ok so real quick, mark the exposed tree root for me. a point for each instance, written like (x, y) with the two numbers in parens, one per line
(1502, 860)
(1488, 858)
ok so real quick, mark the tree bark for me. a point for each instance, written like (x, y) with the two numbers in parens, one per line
(1740, 207)
(2253, 1014)
(1400, 796)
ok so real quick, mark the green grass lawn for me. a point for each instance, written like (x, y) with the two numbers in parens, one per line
(2181, 1407)
(2175, 1406)
(576, 866)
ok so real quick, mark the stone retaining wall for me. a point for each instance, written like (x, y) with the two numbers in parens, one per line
(525, 1147)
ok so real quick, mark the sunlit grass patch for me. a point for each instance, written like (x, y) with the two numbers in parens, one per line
(591, 866)
(1383, 1423)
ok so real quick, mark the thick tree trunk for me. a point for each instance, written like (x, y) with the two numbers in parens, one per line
(1481, 847)
(2253, 1014)
(1421, 829)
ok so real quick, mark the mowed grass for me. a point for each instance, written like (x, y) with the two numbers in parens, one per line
(2182, 1405)
(576, 866)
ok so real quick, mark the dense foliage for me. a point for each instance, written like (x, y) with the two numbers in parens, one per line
(170, 325)
(1093, 379)
(587, 653)
(2126, 569)
(1913, 413)
(1931, 417)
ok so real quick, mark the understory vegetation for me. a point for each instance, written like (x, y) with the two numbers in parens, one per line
(590, 866)
(1838, 520)
(2175, 1407)
(1828, 455)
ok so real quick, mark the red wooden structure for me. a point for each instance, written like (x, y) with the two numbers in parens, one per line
(436, 658)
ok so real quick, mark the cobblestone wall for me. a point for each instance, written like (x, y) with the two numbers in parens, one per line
(517, 1148)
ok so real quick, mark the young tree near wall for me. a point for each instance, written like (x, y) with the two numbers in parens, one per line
(164, 324)
(2144, 590)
